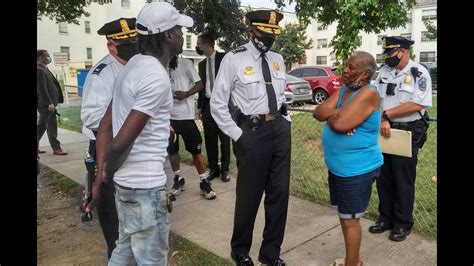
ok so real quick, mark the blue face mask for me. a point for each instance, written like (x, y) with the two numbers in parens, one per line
(48, 60)
(356, 84)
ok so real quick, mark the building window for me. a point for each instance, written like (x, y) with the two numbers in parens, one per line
(427, 57)
(406, 35)
(409, 16)
(87, 25)
(65, 49)
(321, 27)
(322, 43)
(425, 38)
(188, 41)
(126, 3)
(379, 39)
(62, 28)
(321, 60)
(380, 58)
(428, 14)
(89, 53)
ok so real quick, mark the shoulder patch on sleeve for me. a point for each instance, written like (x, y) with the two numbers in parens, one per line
(99, 68)
(422, 84)
(239, 49)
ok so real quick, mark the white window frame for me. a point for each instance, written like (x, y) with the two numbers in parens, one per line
(322, 43)
(63, 28)
(87, 53)
(321, 57)
(427, 56)
(87, 27)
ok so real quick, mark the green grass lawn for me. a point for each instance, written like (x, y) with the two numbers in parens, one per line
(309, 173)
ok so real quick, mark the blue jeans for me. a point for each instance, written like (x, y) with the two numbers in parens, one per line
(351, 195)
(143, 227)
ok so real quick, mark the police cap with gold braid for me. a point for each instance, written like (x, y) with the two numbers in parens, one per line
(265, 20)
(395, 42)
(121, 30)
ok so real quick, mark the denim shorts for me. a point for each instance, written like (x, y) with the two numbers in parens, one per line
(143, 227)
(351, 195)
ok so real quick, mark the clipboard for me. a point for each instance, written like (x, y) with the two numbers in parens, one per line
(399, 143)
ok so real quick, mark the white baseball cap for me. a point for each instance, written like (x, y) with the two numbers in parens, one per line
(156, 17)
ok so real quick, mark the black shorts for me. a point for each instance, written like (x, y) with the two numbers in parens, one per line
(191, 136)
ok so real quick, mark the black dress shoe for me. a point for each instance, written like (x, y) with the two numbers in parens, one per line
(241, 260)
(225, 177)
(399, 234)
(213, 174)
(267, 261)
(379, 227)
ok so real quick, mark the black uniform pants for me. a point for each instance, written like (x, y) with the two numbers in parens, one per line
(212, 134)
(47, 122)
(396, 189)
(106, 210)
(263, 161)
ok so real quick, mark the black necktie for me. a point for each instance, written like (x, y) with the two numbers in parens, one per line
(272, 102)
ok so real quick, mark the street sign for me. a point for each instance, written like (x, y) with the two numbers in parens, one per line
(60, 59)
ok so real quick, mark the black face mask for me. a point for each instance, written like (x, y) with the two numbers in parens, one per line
(199, 51)
(127, 51)
(392, 61)
(263, 44)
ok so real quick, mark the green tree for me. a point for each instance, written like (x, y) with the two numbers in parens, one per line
(432, 31)
(292, 44)
(65, 10)
(222, 18)
(352, 17)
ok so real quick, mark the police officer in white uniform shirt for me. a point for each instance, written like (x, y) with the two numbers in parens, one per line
(133, 137)
(253, 78)
(185, 82)
(405, 89)
(97, 94)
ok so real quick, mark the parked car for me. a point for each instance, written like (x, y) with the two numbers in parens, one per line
(433, 70)
(322, 80)
(297, 91)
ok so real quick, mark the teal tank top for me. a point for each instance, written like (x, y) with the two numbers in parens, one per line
(347, 156)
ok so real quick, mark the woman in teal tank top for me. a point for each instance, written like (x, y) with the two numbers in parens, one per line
(351, 151)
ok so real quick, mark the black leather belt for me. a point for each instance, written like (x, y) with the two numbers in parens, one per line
(263, 117)
(403, 125)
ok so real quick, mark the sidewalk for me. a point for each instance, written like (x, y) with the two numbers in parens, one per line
(313, 234)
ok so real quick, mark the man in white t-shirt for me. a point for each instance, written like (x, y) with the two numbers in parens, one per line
(138, 120)
(185, 82)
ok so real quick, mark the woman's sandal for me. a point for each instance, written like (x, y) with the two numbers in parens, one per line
(342, 262)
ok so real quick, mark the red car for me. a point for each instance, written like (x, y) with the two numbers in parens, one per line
(322, 80)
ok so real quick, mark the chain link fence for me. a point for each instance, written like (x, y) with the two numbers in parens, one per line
(309, 173)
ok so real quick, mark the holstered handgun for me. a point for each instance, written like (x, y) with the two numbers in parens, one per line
(90, 178)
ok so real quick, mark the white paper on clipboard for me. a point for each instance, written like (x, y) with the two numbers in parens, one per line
(399, 143)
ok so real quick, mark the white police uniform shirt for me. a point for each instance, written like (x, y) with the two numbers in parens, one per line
(406, 90)
(183, 78)
(212, 61)
(240, 79)
(143, 85)
(97, 93)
